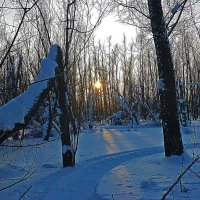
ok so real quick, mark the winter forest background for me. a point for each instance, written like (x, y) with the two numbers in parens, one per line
(97, 82)
(127, 68)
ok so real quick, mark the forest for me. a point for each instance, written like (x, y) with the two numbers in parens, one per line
(153, 78)
(128, 69)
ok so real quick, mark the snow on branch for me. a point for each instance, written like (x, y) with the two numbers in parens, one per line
(161, 85)
(123, 104)
(195, 84)
(175, 8)
(15, 110)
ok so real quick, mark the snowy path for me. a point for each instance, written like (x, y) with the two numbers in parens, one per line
(83, 181)
(104, 153)
(99, 152)
(125, 162)
(113, 139)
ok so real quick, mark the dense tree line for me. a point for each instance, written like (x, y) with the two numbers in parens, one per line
(128, 69)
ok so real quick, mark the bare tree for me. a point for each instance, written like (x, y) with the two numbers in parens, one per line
(169, 112)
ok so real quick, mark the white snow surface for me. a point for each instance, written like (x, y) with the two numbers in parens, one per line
(113, 162)
(15, 110)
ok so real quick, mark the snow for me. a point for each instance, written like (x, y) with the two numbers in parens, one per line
(195, 84)
(15, 110)
(123, 104)
(161, 85)
(181, 101)
(153, 180)
(113, 162)
(175, 8)
(67, 148)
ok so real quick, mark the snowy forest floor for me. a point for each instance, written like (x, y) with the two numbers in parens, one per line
(113, 163)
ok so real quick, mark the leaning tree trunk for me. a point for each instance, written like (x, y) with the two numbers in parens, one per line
(169, 113)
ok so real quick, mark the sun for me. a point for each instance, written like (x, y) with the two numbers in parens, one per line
(98, 84)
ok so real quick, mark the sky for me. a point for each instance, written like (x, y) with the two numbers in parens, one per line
(110, 27)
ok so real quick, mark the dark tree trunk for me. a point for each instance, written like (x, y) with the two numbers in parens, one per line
(169, 113)
(63, 101)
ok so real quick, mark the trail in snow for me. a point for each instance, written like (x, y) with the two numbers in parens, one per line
(107, 151)
(112, 139)
(101, 156)
(83, 180)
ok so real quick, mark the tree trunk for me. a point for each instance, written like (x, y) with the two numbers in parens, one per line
(63, 101)
(169, 114)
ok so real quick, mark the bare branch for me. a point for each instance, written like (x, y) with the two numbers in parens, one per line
(132, 7)
(29, 145)
(179, 177)
(45, 26)
(25, 192)
(26, 10)
(179, 16)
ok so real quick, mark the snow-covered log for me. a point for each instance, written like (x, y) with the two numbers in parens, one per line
(124, 104)
(18, 112)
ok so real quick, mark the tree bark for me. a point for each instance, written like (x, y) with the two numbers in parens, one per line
(169, 113)
(63, 101)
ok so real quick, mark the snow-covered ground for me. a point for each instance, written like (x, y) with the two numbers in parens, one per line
(113, 162)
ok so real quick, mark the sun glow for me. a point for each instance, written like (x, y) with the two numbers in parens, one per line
(98, 84)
